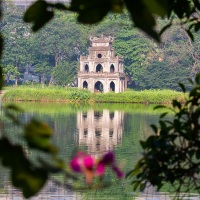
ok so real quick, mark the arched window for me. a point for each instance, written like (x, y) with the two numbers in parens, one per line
(98, 87)
(85, 85)
(112, 69)
(99, 55)
(99, 68)
(86, 68)
(112, 86)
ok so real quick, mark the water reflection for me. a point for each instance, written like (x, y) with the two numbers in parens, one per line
(119, 127)
(100, 131)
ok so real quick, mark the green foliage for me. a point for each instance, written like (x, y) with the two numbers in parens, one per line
(30, 179)
(146, 96)
(54, 94)
(80, 95)
(40, 13)
(143, 13)
(172, 154)
(65, 73)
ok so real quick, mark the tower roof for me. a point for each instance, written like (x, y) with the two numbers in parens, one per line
(102, 39)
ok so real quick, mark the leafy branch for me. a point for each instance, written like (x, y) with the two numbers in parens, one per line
(172, 154)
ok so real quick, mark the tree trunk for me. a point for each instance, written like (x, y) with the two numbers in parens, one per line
(42, 81)
(7, 77)
(51, 81)
(16, 81)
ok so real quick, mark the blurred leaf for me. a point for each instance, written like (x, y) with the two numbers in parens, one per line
(158, 7)
(53, 168)
(29, 180)
(154, 127)
(1, 78)
(190, 35)
(164, 29)
(1, 45)
(39, 14)
(23, 174)
(59, 6)
(38, 135)
(182, 86)
(12, 111)
(142, 17)
(159, 106)
(177, 104)
(90, 12)
(13, 107)
(197, 78)
(163, 115)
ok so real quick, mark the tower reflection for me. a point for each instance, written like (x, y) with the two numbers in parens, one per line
(100, 131)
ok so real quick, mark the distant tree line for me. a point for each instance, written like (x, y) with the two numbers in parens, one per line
(54, 51)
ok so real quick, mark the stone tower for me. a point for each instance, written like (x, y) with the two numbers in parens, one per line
(102, 70)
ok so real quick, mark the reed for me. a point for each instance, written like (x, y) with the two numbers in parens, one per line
(60, 94)
(145, 96)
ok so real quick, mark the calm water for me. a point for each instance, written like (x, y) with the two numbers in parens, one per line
(94, 129)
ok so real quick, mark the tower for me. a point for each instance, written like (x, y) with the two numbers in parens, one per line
(102, 70)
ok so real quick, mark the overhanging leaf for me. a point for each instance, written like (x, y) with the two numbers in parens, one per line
(1, 45)
(156, 6)
(142, 17)
(39, 14)
(23, 174)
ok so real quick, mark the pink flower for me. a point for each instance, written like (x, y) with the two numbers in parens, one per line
(87, 165)
(82, 162)
(109, 160)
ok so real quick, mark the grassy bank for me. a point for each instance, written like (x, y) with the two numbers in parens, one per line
(59, 94)
(145, 96)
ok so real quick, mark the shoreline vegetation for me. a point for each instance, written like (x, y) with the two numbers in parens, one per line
(60, 94)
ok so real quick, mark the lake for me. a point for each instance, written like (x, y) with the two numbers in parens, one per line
(94, 129)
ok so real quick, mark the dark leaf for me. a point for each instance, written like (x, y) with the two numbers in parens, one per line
(142, 17)
(182, 86)
(158, 7)
(163, 115)
(136, 185)
(13, 107)
(23, 174)
(1, 45)
(197, 78)
(1, 78)
(177, 104)
(164, 29)
(59, 6)
(39, 14)
(29, 180)
(190, 35)
(154, 127)
(197, 27)
(159, 106)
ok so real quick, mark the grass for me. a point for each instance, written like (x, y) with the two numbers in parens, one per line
(60, 94)
(145, 96)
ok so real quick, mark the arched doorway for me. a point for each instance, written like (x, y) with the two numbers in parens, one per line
(86, 68)
(99, 68)
(98, 87)
(112, 87)
(112, 69)
(85, 85)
